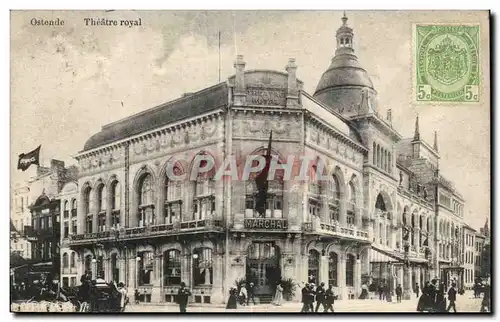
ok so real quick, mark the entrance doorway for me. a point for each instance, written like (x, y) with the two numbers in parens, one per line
(263, 267)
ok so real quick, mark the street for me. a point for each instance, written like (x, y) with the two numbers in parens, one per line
(465, 303)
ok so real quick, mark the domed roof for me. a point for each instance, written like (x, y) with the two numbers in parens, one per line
(345, 70)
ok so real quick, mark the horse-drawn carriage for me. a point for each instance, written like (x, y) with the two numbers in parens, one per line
(98, 297)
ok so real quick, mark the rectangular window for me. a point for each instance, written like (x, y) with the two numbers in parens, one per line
(145, 269)
(334, 212)
(101, 222)
(350, 217)
(72, 282)
(73, 227)
(88, 225)
(66, 229)
(115, 219)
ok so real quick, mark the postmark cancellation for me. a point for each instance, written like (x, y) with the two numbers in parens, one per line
(446, 63)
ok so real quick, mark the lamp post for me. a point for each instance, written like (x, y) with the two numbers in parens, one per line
(137, 260)
(406, 268)
(191, 281)
(94, 266)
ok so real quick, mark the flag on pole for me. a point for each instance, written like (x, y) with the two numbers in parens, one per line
(262, 182)
(27, 159)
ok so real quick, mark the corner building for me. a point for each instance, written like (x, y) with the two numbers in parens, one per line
(136, 226)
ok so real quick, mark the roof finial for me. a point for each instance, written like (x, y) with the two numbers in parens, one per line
(416, 137)
(344, 19)
(436, 141)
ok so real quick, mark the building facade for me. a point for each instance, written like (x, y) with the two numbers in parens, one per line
(21, 216)
(468, 254)
(373, 219)
(68, 260)
(44, 229)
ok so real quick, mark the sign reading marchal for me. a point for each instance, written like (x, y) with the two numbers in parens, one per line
(447, 63)
(266, 223)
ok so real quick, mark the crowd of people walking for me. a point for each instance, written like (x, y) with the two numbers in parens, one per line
(324, 298)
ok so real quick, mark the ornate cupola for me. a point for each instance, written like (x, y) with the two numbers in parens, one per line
(345, 86)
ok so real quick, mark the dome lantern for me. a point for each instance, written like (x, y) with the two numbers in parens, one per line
(345, 84)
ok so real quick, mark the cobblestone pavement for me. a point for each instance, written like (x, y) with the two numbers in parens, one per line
(465, 303)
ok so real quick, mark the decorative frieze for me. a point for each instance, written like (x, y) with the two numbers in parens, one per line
(249, 125)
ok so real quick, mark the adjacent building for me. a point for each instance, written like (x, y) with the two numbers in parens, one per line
(384, 213)
(68, 260)
(469, 253)
(44, 230)
(20, 217)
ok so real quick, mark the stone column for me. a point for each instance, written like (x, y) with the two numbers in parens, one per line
(342, 276)
(122, 268)
(407, 290)
(218, 277)
(417, 277)
(323, 270)
(107, 267)
(357, 278)
(156, 291)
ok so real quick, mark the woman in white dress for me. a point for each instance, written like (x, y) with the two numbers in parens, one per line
(278, 296)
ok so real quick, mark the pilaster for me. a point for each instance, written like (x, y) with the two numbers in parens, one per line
(342, 277)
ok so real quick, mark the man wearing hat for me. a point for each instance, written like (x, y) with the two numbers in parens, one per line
(305, 298)
(182, 297)
(251, 294)
(320, 296)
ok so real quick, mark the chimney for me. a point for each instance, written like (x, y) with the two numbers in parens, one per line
(292, 93)
(239, 81)
(389, 116)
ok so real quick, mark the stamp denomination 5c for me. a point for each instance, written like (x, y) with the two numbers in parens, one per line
(447, 63)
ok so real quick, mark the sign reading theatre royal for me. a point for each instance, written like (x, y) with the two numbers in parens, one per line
(266, 223)
(266, 96)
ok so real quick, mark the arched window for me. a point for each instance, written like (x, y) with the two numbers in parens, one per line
(73, 260)
(332, 269)
(349, 270)
(101, 198)
(173, 197)
(380, 204)
(274, 201)
(86, 200)
(145, 269)
(202, 266)
(66, 209)
(73, 208)
(351, 209)
(65, 260)
(88, 264)
(146, 190)
(313, 266)
(334, 199)
(374, 152)
(314, 202)
(115, 195)
(203, 204)
(115, 204)
(115, 270)
(172, 267)
(146, 214)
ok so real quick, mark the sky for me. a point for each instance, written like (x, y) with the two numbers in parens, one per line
(68, 81)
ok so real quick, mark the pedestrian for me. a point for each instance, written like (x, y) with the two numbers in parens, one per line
(440, 299)
(182, 297)
(485, 303)
(305, 298)
(452, 296)
(278, 296)
(251, 294)
(243, 295)
(312, 295)
(232, 301)
(387, 292)
(399, 293)
(123, 296)
(136, 296)
(417, 289)
(329, 299)
(364, 292)
(381, 291)
(320, 296)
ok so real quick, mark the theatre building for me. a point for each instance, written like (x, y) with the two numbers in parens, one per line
(137, 226)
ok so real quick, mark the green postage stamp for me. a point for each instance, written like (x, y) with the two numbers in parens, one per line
(447, 63)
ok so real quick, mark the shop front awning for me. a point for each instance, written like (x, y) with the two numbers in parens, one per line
(394, 257)
(379, 257)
